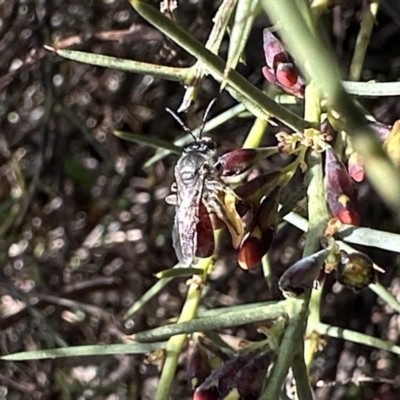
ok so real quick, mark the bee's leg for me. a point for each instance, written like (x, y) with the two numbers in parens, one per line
(172, 199)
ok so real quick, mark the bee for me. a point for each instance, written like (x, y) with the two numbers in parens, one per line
(198, 193)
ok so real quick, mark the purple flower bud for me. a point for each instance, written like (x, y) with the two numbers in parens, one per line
(303, 274)
(339, 190)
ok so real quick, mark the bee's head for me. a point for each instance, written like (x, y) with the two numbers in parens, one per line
(203, 145)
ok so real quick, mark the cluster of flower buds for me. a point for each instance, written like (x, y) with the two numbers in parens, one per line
(261, 230)
(339, 190)
(280, 70)
(257, 202)
(355, 270)
(239, 378)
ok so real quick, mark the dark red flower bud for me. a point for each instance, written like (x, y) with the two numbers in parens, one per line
(280, 71)
(355, 166)
(382, 130)
(253, 248)
(209, 394)
(237, 161)
(356, 270)
(198, 368)
(288, 78)
(355, 163)
(217, 385)
(205, 233)
(267, 214)
(241, 160)
(252, 191)
(248, 381)
(303, 274)
(261, 232)
(327, 130)
(273, 50)
(339, 190)
(286, 74)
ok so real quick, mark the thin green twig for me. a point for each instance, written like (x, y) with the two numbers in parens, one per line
(367, 23)
(155, 70)
(356, 337)
(175, 343)
(219, 321)
(300, 374)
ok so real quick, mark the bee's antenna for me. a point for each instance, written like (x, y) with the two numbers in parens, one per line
(208, 109)
(181, 123)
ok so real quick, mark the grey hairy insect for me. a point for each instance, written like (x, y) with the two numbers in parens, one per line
(196, 186)
(195, 179)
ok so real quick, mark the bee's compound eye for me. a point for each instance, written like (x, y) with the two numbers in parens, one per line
(209, 143)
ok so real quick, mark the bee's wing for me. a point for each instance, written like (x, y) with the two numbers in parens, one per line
(184, 234)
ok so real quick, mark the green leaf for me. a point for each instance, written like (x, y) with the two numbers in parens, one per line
(225, 320)
(246, 12)
(79, 351)
(157, 71)
(149, 141)
(178, 273)
(147, 296)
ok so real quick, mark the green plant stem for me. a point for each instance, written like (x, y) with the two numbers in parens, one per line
(355, 234)
(367, 23)
(148, 141)
(245, 14)
(218, 321)
(256, 134)
(372, 89)
(293, 338)
(82, 351)
(318, 7)
(239, 87)
(301, 377)
(356, 337)
(155, 70)
(319, 66)
(312, 113)
(385, 295)
(289, 346)
(314, 317)
(370, 237)
(175, 343)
